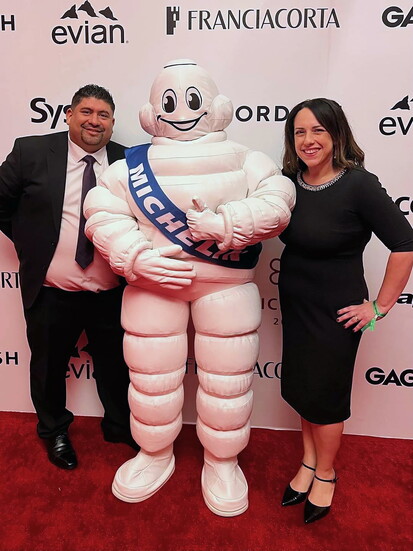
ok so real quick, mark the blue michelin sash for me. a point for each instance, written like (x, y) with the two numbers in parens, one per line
(171, 221)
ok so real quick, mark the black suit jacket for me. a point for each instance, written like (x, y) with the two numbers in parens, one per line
(32, 186)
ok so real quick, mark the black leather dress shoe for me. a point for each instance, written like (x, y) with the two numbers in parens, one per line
(60, 452)
(121, 438)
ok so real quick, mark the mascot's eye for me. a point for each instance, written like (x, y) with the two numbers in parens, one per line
(169, 101)
(193, 98)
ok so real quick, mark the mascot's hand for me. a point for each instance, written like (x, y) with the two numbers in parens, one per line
(204, 223)
(159, 265)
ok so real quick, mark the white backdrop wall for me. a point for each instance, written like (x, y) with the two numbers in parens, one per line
(266, 56)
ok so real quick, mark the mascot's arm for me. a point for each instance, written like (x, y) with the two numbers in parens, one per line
(114, 230)
(266, 210)
(111, 225)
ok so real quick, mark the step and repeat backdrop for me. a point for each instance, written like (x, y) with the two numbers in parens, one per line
(265, 56)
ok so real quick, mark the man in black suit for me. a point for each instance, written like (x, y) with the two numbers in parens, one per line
(66, 287)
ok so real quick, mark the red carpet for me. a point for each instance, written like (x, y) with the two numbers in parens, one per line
(47, 509)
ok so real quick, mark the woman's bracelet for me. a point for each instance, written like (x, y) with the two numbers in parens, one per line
(377, 315)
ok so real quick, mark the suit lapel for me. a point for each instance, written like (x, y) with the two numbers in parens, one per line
(115, 152)
(56, 166)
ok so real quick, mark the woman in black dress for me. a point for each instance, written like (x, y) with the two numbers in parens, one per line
(323, 294)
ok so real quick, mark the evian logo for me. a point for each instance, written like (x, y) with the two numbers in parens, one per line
(401, 122)
(80, 364)
(80, 29)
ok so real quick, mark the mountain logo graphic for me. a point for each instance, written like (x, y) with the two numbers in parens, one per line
(87, 7)
(78, 349)
(399, 123)
(402, 104)
(86, 25)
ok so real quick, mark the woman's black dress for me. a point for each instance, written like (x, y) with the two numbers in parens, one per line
(321, 272)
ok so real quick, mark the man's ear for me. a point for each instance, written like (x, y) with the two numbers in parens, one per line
(69, 114)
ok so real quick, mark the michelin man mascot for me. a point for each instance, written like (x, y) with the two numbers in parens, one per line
(182, 220)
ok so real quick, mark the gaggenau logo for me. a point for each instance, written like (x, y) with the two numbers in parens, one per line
(84, 31)
(250, 19)
(394, 16)
(377, 376)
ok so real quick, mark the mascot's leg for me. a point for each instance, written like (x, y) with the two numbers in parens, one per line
(226, 350)
(155, 348)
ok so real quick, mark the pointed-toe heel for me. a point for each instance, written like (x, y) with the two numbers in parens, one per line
(316, 512)
(291, 496)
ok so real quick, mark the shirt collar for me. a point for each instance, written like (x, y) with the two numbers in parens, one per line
(77, 153)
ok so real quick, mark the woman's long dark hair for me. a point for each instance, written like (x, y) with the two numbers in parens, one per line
(347, 154)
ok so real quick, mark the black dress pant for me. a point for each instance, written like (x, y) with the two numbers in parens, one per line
(54, 325)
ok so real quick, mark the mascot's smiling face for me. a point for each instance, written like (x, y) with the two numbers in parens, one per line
(185, 103)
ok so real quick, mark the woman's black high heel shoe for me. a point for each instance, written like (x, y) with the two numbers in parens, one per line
(292, 497)
(316, 512)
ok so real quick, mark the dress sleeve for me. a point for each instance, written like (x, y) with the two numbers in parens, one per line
(383, 216)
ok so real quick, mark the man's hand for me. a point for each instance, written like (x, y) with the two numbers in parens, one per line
(159, 265)
(204, 223)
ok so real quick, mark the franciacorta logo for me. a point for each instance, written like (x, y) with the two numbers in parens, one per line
(251, 19)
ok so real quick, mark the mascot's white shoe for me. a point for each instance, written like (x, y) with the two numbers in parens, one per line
(224, 486)
(140, 477)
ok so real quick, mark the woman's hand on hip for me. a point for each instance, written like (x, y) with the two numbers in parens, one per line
(356, 316)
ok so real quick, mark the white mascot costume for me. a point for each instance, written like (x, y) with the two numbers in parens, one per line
(182, 220)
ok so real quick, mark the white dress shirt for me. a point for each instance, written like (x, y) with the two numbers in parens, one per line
(64, 272)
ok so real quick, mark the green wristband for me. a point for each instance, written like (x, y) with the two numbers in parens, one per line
(377, 314)
(376, 310)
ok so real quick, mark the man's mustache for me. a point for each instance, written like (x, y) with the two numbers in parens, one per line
(95, 128)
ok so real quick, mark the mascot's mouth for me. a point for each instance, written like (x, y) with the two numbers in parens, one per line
(184, 126)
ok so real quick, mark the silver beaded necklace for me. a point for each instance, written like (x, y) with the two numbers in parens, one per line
(321, 186)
